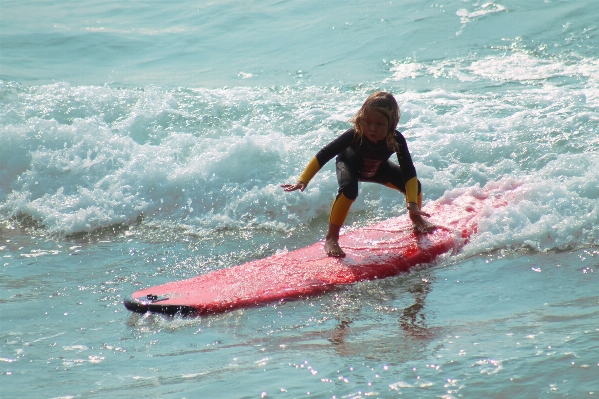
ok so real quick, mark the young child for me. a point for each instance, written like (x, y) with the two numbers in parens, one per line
(363, 154)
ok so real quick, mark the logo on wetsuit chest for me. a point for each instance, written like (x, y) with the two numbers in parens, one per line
(370, 167)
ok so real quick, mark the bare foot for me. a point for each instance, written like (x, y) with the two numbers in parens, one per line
(331, 242)
(332, 248)
(421, 224)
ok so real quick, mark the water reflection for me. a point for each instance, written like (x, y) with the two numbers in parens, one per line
(406, 340)
(413, 319)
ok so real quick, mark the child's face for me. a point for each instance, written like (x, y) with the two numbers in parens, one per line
(374, 125)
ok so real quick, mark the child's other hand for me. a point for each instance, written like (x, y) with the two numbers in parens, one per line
(414, 210)
(416, 216)
(292, 187)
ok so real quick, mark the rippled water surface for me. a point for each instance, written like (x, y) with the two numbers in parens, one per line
(145, 142)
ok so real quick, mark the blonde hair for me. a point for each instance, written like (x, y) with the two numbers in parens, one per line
(385, 104)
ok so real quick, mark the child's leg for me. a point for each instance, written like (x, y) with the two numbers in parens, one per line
(390, 175)
(340, 209)
(348, 191)
(404, 193)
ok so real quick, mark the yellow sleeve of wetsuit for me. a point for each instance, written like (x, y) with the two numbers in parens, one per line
(412, 190)
(312, 168)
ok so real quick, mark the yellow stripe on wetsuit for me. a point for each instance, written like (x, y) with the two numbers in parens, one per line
(412, 190)
(312, 168)
(340, 209)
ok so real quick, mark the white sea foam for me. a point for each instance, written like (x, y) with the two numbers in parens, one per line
(81, 158)
(480, 11)
(217, 157)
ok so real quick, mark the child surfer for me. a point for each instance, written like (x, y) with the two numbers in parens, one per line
(363, 154)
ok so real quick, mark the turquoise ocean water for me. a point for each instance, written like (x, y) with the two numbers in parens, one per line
(143, 142)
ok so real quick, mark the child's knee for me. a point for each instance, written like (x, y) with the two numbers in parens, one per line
(350, 192)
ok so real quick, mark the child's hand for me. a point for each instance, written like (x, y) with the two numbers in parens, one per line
(292, 187)
(414, 210)
(416, 216)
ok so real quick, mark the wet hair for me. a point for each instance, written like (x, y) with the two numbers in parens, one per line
(385, 104)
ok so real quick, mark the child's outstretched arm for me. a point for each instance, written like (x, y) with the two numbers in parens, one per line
(320, 159)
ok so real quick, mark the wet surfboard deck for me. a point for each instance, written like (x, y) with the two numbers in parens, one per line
(382, 250)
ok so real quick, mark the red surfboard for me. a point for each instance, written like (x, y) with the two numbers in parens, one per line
(378, 251)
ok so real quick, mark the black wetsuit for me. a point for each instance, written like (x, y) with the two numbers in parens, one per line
(364, 160)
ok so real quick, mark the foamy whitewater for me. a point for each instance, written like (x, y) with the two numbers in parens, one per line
(146, 142)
